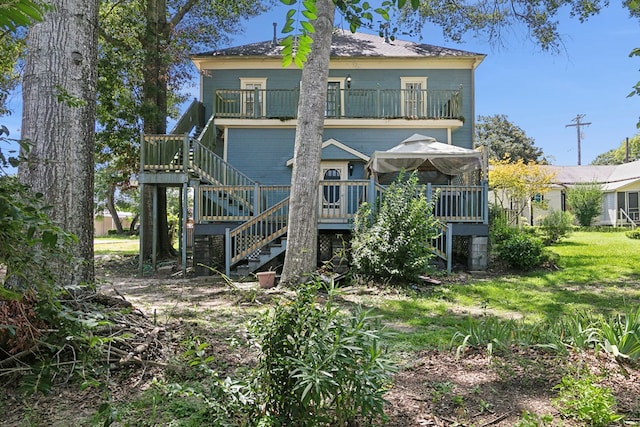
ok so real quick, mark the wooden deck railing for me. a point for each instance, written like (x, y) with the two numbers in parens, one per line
(338, 201)
(343, 103)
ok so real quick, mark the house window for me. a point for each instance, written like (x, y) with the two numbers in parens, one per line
(413, 96)
(252, 97)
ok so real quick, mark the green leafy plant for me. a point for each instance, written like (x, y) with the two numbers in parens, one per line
(389, 243)
(529, 419)
(557, 225)
(583, 400)
(585, 201)
(318, 366)
(620, 335)
(521, 251)
(632, 234)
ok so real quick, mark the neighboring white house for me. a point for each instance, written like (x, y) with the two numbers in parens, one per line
(620, 184)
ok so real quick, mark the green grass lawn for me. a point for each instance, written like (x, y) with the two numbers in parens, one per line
(118, 245)
(599, 273)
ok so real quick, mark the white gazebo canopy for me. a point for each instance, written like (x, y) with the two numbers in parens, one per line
(415, 151)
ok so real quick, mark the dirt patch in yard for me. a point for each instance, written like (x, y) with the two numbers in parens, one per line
(432, 388)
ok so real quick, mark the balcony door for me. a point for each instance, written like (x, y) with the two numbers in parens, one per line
(252, 101)
(334, 98)
(414, 96)
(333, 196)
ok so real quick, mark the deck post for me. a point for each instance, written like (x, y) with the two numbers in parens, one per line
(485, 202)
(256, 200)
(429, 192)
(185, 194)
(449, 246)
(154, 240)
(141, 235)
(227, 252)
(371, 197)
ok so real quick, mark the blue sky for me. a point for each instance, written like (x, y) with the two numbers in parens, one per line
(538, 91)
(542, 92)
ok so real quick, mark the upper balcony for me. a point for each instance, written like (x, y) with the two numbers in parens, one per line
(282, 104)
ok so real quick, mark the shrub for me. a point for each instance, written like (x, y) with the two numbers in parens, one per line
(391, 243)
(521, 251)
(557, 225)
(499, 228)
(585, 200)
(632, 234)
(318, 367)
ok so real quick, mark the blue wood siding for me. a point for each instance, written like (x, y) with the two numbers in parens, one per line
(361, 79)
(262, 154)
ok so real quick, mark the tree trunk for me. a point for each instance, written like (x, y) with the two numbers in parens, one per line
(59, 101)
(111, 207)
(302, 232)
(154, 42)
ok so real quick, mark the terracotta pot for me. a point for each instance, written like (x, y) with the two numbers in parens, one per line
(266, 278)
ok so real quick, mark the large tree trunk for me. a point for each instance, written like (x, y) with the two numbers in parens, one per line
(154, 90)
(59, 101)
(302, 232)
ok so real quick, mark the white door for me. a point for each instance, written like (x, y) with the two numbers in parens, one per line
(333, 196)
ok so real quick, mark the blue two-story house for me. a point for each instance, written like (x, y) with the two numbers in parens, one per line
(391, 105)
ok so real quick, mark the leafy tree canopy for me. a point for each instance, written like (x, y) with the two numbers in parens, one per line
(617, 156)
(515, 183)
(505, 139)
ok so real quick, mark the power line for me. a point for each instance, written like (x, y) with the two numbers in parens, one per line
(578, 125)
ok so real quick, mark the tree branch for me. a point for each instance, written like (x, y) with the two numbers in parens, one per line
(182, 12)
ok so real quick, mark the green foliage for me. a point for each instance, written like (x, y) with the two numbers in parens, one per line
(557, 225)
(495, 19)
(318, 366)
(499, 228)
(581, 399)
(391, 243)
(299, 23)
(504, 138)
(617, 156)
(533, 420)
(632, 234)
(620, 335)
(585, 201)
(521, 251)
(20, 13)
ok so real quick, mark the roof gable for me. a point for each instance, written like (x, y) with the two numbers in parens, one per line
(340, 152)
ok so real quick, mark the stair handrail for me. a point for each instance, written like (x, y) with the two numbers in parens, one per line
(633, 224)
(205, 137)
(253, 227)
(192, 117)
(215, 168)
(442, 245)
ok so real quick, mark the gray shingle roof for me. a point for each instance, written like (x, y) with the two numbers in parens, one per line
(347, 44)
(603, 174)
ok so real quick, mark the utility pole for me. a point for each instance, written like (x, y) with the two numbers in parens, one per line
(578, 124)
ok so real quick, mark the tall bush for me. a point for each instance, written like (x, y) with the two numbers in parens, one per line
(319, 367)
(557, 225)
(585, 201)
(392, 242)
